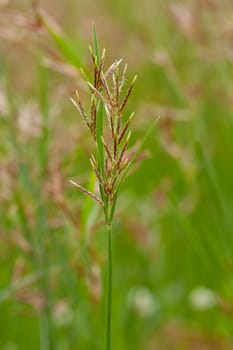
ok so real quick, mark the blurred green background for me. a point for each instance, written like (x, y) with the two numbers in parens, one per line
(173, 236)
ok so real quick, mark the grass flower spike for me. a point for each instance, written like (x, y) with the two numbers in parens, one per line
(111, 134)
(114, 138)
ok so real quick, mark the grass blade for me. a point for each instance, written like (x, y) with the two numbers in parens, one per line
(99, 125)
(64, 45)
(96, 45)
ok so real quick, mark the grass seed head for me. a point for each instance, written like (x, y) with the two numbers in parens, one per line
(113, 134)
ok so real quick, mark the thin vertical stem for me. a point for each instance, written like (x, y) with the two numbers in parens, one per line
(109, 291)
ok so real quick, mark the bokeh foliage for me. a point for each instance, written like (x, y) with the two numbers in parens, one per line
(173, 240)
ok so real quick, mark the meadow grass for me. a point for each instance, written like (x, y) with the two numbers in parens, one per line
(111, 136)
(172, 281)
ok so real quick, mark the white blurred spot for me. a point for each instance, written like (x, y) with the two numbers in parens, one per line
(202, 298)
(29, 120)
(3, 102)
(63, 314)
(142, 301)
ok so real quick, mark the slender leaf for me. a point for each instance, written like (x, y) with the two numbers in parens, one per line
(65, 46)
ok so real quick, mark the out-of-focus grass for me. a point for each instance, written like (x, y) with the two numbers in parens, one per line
(173, 240)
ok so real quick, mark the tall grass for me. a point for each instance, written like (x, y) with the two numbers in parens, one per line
(173, 242)
(111, 136)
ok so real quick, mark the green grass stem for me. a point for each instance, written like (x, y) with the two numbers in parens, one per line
(109, 290)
